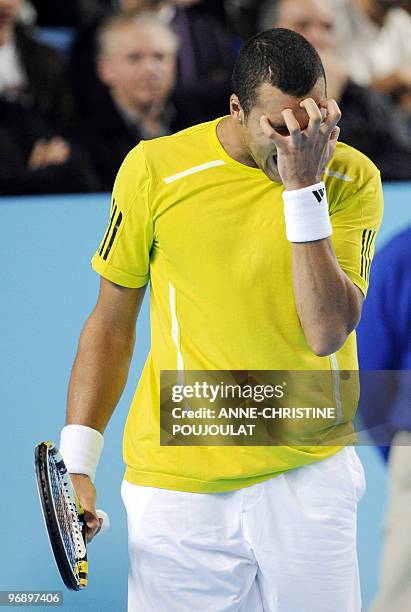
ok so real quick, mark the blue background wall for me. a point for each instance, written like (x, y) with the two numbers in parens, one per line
(48, 290)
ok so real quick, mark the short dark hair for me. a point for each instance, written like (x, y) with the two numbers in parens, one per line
(279, 57)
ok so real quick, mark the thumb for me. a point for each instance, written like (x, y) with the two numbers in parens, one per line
(93, 523)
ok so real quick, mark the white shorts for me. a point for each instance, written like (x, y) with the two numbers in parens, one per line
(284, 545)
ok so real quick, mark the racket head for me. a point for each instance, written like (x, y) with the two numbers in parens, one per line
(63, 516)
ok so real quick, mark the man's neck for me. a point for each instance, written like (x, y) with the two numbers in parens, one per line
(150, 113)
(231, 139)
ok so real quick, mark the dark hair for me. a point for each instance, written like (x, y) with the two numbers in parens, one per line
(279, 57)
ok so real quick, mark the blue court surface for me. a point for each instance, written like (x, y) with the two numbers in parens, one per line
(48, 290)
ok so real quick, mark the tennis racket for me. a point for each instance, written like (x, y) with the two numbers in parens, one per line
(63, 516)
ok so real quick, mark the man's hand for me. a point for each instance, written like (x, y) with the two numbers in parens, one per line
(303, 155)
(86, 492)
(53, 152)
(404, 76)
(395, 82)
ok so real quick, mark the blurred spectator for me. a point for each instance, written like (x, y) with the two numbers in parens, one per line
(375, 41)
(55, 13)
(82, 12)
(88, 87)
(27, 13)
(244, 16)
(384, 343)
(35, 160)
(31, 72)
(205, 59)
(207, 49)
(136, 60)
(370, 121)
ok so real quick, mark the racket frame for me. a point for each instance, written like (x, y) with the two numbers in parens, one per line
(74, 579)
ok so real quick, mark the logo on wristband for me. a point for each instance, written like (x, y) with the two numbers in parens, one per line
(319, 194)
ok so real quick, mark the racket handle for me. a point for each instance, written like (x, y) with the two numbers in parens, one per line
(106, 521)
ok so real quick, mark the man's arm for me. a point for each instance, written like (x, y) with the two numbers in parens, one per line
(100, 372)
(328, 303)
(103, 357)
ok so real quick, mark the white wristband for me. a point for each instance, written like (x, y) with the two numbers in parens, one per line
(80, 447)
(306, 214)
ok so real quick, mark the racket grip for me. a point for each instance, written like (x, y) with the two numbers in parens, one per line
(106, 521)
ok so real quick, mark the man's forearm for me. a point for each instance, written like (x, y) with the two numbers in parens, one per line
(327, 302)
(99, 374)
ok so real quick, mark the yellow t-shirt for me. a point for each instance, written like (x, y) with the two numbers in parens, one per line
(208, 232)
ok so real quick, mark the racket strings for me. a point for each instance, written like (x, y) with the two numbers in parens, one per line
(67, 515)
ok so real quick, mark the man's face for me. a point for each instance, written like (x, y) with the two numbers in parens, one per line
(313, 19)
(139, 64)
(9, 10)
(271, 102)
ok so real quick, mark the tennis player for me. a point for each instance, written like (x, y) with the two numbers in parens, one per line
(256, 232)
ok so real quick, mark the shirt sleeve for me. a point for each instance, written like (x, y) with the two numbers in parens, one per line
(355, 222)
(123, 255)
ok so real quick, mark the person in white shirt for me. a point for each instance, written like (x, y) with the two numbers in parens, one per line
(375, 41)
(32, 73)
(12, 74)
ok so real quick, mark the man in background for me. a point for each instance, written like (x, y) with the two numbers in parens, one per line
(203, 64)
(136, 61)
(370, 121)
